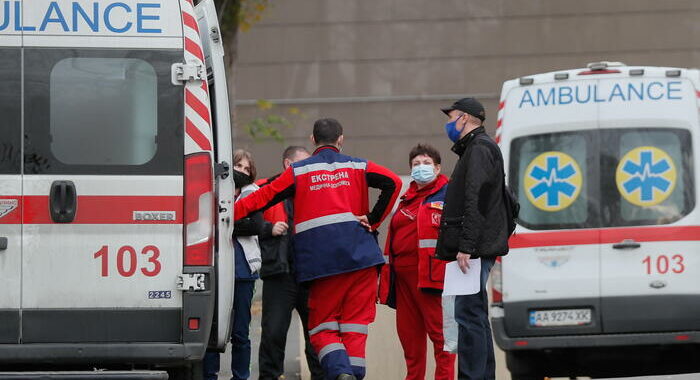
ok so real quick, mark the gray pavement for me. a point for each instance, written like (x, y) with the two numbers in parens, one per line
(295, 369)
(292, 365)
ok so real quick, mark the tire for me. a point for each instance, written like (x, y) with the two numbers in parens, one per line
(190, 371)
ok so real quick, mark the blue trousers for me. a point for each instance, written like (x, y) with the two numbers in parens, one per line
(475, 345)
(240, 335)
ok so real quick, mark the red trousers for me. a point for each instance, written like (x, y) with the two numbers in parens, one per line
(418, 316)
(341, 307)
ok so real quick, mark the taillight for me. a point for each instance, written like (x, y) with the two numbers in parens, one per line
(497, 282)
(199, 209)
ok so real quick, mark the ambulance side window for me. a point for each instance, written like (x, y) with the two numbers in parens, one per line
(647, 176)
(10, 109)
(555, 177)
(102, 112)
(119, 101)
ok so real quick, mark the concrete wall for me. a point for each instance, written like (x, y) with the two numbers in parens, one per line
(390, 54)
(384, 67)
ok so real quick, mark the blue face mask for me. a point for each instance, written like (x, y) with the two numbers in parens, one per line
(451, 129)
(423, 173)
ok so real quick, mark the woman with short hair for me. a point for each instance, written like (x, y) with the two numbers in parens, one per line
(412, 282)
(247, 265)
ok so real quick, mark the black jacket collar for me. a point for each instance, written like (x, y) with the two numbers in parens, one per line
(461, 145)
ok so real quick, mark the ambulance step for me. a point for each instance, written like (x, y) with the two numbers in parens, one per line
(85, 375)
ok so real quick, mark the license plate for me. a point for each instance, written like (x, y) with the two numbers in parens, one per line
(568, 317)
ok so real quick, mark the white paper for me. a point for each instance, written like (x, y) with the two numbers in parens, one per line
(460, 284)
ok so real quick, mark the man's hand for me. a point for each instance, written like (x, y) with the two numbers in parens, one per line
(463, 261)
(279, 229)
(364, 222)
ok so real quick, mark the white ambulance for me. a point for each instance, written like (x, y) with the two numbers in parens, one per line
(115, 199)
(603, 277)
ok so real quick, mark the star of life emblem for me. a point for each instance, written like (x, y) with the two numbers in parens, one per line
(7, 206)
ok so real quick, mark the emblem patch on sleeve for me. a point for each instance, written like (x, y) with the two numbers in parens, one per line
(436, 218)
(436, 205)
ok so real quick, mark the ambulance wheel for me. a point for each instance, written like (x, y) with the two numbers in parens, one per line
(523, 365)
(191, 371)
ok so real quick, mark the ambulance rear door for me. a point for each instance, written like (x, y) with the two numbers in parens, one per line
(10, 185)
(212, 45)
(551, 275)
(650, 266)
(103, 172)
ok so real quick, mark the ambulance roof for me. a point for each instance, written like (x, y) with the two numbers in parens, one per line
(599, 96)
(600, 70)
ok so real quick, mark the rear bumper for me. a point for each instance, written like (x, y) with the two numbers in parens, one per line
(112, 353)
(592, 340)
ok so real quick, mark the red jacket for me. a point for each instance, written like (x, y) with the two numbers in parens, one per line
(329, 189)
(277, 212)
(431, 271)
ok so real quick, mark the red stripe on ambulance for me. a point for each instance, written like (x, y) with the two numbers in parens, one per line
(190, 21)
(193, 48)
(197, 112)
(199, 107)
(604, 236)
(94, 209)
(196, 135)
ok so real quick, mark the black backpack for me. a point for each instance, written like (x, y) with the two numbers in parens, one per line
(512, 206)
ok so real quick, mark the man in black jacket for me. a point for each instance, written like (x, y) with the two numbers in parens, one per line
(474, 225)
(281, 293)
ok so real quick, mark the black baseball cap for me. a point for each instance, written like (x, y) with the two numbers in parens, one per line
(467, 105)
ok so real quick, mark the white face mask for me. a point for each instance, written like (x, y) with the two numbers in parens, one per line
(423, 173)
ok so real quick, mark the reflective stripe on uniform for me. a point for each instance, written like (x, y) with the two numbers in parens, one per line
(325, 220)
(427, 243)
(327, 349)
(322, 166)
(357, 362)
(333, 326)
(354, 328)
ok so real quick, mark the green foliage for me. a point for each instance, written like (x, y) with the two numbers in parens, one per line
(241, 15)
(235, 15)
(268, 124)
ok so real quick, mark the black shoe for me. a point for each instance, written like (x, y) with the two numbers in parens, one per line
(345, 376)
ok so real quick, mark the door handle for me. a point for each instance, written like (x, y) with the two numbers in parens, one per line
(3, 243)
(627, 244)
(63, 201)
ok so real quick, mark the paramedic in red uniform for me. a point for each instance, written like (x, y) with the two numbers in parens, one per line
(412, 282)
(281, 292)
(336, 249)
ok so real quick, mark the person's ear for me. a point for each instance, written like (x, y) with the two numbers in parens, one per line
(465, 120)
(340, 140)
(286, 163)
(313, 140)
(438, 167)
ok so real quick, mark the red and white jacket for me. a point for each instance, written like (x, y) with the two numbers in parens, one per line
(329, 190)
(431, 271)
